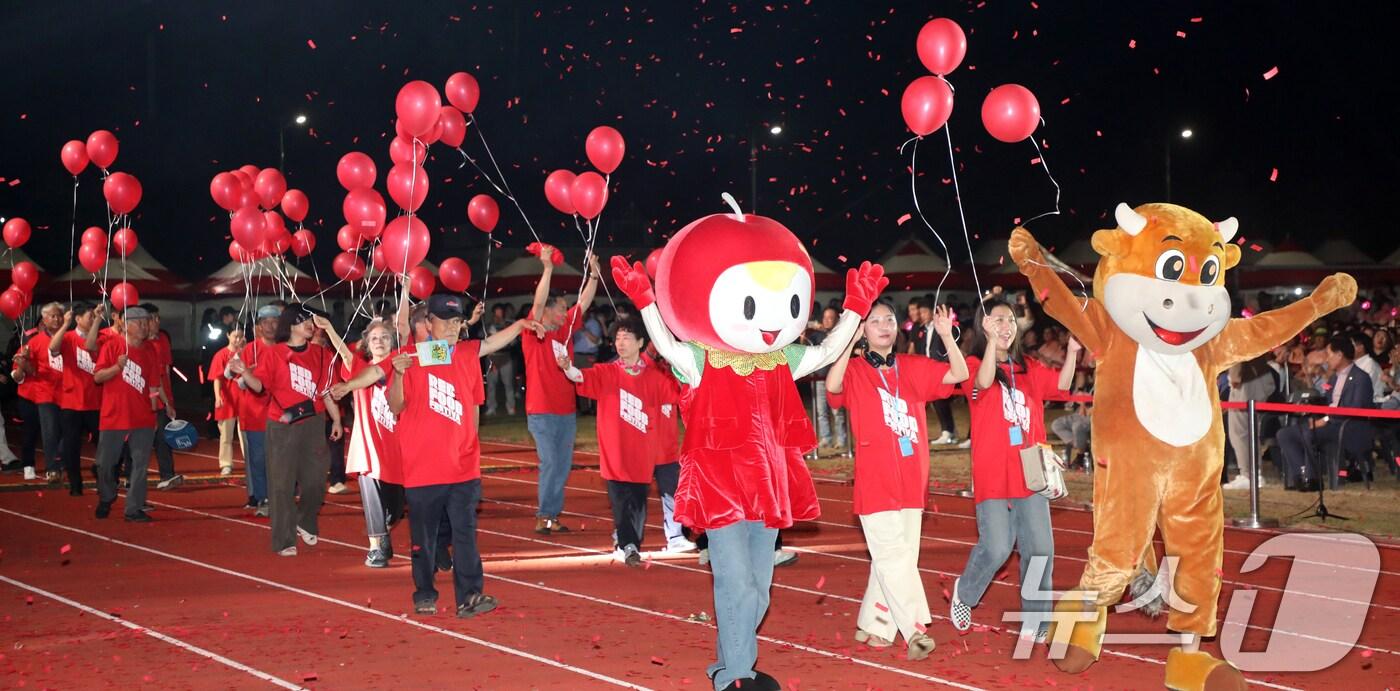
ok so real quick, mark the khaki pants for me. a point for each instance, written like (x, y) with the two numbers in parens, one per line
(894, 599)
(228, 431)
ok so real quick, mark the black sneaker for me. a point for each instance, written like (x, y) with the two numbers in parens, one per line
(138, 517)
(250, 504)
(477, 603)
(104, 508)
(425, 606)
(633, 557)
(377, 559)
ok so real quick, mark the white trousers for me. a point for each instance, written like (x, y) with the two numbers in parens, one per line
(894, 599)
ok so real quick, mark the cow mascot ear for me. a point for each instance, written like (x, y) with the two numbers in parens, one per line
(1117, 242)
(1228, 228)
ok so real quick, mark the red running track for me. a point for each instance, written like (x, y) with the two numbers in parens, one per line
(197, 600)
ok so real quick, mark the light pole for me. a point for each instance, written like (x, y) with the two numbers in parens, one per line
(299, 121)
(773, 130)
(1186, 133)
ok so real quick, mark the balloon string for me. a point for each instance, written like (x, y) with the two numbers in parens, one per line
(486, 280)
(1041, 157)
(914, 192)
(73, 238)
(957, 192)
(509, 194)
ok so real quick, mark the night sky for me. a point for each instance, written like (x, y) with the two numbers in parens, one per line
(195, 88)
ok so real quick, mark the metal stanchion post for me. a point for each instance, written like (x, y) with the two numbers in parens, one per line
(1254, 521)
(815, 423)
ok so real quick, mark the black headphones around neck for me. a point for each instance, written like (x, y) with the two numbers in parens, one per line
(877, 360)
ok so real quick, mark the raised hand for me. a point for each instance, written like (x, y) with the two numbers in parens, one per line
(403, 361)
(322, 323)
(943, 321)
(547, 256)
(1335, 292)
(1074, 346)
(477, 313)
(633, 282)
(863, 286)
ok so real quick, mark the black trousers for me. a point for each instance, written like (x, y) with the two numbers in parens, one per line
(944, 409)
(78, 425)
(629, 509)
(337, 447)
(165, 458)
(426, 508)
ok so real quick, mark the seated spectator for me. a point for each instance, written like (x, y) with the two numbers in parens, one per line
(1347, 387)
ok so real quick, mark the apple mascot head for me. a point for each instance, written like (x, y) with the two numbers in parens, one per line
(737, 282)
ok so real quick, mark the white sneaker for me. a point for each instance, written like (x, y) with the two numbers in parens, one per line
(704, 556)
(958, 612)
(29, 473)
(945, 438)
(308, 538)
(288, 552)
(680, 545)
(225, 471)
(965, 444)
(783, 557)
(171, 482)
(1239, 483)
(338, 488)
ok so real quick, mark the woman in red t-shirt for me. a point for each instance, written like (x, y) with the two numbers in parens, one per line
(296, 374)
(886, 400)
(1006, 399)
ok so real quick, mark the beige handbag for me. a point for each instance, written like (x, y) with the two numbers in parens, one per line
(1044, 471)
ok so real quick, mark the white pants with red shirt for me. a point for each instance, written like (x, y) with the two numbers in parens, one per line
(894, 601)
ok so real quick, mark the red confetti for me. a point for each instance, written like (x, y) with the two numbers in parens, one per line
(880, 606)
(821, 582)
(1367, 653)
(1273, 176)
(1273, 72)
(658, 661)
(1132, 43)
(1181, 34)
(65, 549)
(309, 676)
(902, 219)
(311, 43)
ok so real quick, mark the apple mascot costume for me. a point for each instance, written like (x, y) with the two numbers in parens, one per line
(733, 293)
(1159, 325)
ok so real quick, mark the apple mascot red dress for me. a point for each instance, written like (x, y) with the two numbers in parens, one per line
(733, 294)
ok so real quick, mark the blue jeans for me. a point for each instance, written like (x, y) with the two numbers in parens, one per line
(831, 422)
(255, 452)
(1001, 524)
(554, 441)
(741, 559)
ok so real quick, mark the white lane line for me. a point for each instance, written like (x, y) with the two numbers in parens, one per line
(640, 610)
(274, 680)
(328, 599)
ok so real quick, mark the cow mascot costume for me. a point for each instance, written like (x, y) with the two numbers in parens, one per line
(1159, 325)
(733, 293)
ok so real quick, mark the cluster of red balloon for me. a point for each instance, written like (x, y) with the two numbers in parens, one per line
(586, 194)
(1010, 112)
(23, 276)
(251, 196)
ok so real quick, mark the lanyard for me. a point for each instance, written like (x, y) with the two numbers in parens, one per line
(886, 383)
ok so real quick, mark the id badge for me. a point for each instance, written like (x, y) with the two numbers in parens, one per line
(906, 446)
(560, 350)
(434, 353)
(1015, 433)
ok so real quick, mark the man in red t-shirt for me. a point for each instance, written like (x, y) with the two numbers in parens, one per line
(436, 390)
(126, 370)
(630, 392)
(39, 376)
(160, 343)
(80, 396)
(550, 412)
(252, 408)
(226, 398)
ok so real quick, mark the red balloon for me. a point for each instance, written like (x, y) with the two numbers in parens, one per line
(455, 274)
(295, 205)
(92, 256)
(403, 151)
(418, 106)
(248, 226)
(303, 242)
(276, 237)
(433, 134)
(124, 295)
(942, 45)
(463, 92)
(421, 282)
(376, 258)
(651, 263)
(124, 241)
(927, 104)
(557, 188)
(270, 186)
(17, 232)
(605, 148)
(405, 243)
(250, 171)
(454, 126)
(95, 236)
(483, 212)
(400, 132)
(1010, 113)
(13, 302)
(347, 239)
(102, 148)
(348, 267)
(123, 192)
(227, 191)
(356, 170)
(364, 210)
(25, 275)
(74, 156)
(408, 186)
(589, 193)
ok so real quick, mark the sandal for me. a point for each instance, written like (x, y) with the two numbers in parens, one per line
(477, 603)
(871, 639)
(920, 645)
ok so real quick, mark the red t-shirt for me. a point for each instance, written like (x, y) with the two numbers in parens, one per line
(40, 387)
(80, 392)
(252, 406)
(160, 343)
(374, 447)
(126, 398)
(630, 422)
(883, 410)
(437, 432)
(996, 462)
(547, 390)
(291, 376)
(228, 403)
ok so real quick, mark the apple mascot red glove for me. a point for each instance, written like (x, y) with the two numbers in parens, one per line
(863, 286)
(536, 247)
(632, 281)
